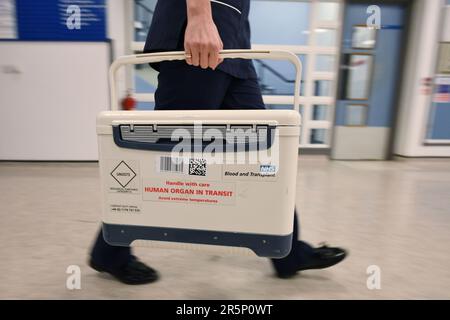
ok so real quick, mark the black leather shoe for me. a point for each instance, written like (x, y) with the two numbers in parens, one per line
(134, 272)
(319, 258)
(324, 257)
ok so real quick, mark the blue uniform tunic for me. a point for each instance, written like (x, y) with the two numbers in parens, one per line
(231, 18)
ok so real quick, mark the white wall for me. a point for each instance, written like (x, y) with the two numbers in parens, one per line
(425, 33)
(120, 31)
(50, 95)
(51, 92)
(446, 25)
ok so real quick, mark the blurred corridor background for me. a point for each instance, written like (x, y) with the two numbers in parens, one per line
(394, 215)
(375, 86)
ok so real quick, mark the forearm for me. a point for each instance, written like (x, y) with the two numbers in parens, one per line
(198, 9)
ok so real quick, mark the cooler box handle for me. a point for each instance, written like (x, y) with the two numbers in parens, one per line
(226, 54)
(161, 137)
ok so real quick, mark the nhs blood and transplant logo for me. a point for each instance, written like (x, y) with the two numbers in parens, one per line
(124, 176)
(267, 169)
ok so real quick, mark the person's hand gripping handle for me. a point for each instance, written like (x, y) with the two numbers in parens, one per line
(202, 41)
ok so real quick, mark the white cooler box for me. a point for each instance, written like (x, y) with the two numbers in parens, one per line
(239, 198)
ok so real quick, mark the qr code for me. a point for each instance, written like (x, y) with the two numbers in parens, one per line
(197, 167)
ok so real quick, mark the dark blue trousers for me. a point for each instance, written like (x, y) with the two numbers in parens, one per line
(184, 87)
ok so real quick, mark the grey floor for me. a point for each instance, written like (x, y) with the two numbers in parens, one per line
(395, 215)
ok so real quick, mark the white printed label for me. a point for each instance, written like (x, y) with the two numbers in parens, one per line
(171, 164)
(180, 190)
(260, 172)
(123, 176)
(123, 208)
(191, 167)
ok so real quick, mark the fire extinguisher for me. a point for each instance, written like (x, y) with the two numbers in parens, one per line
(128, 103)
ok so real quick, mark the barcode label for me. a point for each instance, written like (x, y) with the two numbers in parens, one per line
(197, 167)
(171, 164)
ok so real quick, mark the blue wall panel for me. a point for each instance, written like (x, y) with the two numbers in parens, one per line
(441, 122)
(439, 125)
(46, 20)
